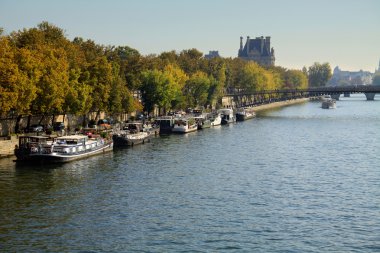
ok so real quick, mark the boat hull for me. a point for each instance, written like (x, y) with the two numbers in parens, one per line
(241, 117)
(122, 141)
(329, 104)
(180, 130)
(62, 158)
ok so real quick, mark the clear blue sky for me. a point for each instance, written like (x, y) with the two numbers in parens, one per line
(342, 32)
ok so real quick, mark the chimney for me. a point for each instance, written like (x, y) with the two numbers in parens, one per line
(267, 41)
(241, 43)
(247, 44)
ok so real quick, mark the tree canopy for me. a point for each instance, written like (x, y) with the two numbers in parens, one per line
(43, 72)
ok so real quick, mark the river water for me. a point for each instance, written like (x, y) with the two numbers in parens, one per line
(295, 179)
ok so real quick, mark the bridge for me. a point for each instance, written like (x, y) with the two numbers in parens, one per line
(244, 98)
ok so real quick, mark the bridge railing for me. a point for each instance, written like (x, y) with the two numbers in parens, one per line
(313, 90)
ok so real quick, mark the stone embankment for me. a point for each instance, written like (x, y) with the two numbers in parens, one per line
(280, 104)
(7, 147)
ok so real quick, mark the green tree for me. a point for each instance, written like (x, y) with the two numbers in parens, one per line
(319, 74)
(154, 89)
(190, 60)
(197, 89)
(100, 80)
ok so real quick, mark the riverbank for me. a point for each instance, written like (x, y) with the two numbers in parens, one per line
(7, 146)
(279, 104)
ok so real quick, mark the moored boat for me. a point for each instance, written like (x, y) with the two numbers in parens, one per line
(227, 116)
(166, 124)
(185, 125)
(216, 119)
(203, 121)
(245, 113)
(329, 104)
(43, 149)
(132, 134)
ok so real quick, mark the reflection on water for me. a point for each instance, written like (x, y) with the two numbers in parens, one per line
(298, 179)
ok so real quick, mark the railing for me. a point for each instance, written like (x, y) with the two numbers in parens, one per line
(312, 91)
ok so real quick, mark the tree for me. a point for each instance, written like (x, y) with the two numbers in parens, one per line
(253, 77)
(189, 60)
(178, 80)
(295, 79)
(100, 80)
(197, 89)
(319, 74)
(10, 76)
(155, 90)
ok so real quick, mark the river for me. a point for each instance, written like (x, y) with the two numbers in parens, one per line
(295, 179)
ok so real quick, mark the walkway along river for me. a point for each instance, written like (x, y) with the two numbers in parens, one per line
(298, 178)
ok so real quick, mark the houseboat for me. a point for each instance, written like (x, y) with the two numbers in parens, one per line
(43, 149)
(185, 125)
(131, 134)
(165, 124)
(245, 113)
(227, 116)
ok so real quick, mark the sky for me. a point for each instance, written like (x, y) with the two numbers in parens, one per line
(344, 33)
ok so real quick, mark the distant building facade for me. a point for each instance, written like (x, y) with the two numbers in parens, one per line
(212, 54)
(341, 77)
(378, 70)
(258, 50)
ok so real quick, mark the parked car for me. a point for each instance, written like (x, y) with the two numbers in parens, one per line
(58, 126)
(35, 128)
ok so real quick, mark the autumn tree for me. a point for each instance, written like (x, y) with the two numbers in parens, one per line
(295, 79)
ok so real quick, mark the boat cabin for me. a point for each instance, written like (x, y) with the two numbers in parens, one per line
(72, 140)
(134, 127)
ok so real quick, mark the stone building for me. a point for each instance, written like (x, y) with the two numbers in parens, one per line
(342, 78)
(212, 54)
(258, 50)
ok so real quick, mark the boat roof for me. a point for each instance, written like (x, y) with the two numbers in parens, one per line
(72, 137)
(34, 136)
(133, 123)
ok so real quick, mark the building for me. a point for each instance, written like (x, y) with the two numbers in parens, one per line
(378, 70)
(212, 54)
(258, 50)
(341, 77)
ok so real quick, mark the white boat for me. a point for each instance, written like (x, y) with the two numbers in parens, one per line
(132, 134)
(329, 104)
(43, 149)
(325, 98)
(245, 114)
(203, 121)
(184, 125)
(227, 116)
(216, 119)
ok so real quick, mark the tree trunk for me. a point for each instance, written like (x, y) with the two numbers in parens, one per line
(29, 118)
(17, 126)
(84, 124)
